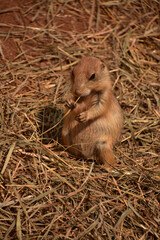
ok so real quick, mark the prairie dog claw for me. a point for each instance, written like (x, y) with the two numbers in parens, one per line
(70, 104)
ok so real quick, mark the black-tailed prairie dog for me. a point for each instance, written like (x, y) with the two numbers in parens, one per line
(94, 122)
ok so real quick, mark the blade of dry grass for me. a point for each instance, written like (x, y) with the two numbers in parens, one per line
(18, 225)
(8, 157)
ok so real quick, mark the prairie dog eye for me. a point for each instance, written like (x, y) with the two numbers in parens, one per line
(92, 76)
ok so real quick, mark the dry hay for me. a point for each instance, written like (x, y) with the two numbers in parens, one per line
(45, 193)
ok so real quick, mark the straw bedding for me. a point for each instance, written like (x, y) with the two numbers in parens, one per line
(45, 193)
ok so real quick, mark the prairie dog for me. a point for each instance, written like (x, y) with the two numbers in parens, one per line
(94, 123)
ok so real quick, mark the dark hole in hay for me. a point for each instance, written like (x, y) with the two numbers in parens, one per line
(48, 118)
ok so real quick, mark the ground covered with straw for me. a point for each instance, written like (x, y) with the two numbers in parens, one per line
(45, 193)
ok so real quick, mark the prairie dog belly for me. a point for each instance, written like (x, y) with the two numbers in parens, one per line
(83, 137)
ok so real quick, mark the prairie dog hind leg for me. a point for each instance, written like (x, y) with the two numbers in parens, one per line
(104, 154)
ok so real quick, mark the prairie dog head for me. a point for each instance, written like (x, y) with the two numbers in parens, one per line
(89, 75)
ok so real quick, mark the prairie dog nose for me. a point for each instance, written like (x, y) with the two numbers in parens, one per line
(78, 92)
(82, 93)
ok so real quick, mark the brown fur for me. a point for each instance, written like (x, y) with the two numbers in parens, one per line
(94, 123)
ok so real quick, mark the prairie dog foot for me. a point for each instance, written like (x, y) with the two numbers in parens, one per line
(104, 154)
(70, 104)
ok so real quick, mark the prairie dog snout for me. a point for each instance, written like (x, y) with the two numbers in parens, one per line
(94, 123)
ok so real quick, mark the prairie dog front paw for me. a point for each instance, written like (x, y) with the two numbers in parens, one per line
(82, 117)
(70, 104)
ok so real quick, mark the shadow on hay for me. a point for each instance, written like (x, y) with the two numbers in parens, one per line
(49, 130)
